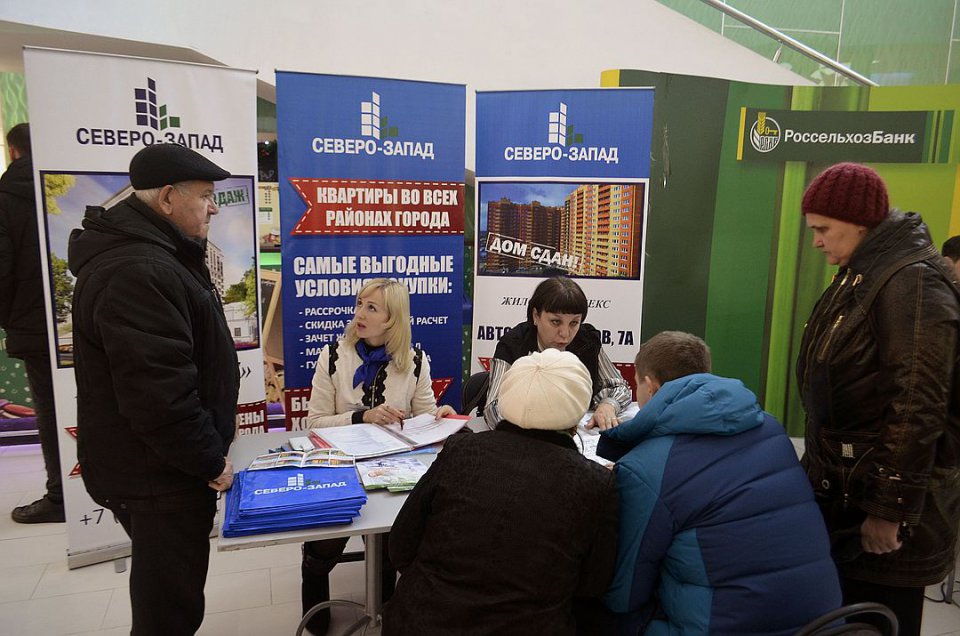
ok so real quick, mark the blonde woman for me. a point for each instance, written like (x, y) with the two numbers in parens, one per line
(369, 375)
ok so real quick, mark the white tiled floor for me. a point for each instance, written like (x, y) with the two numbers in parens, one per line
(249, 593)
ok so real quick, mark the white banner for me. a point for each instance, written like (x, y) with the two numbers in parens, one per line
(89, 114)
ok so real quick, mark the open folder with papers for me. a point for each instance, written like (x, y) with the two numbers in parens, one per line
(370, 440)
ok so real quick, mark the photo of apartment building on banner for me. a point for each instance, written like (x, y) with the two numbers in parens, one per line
(578, 229)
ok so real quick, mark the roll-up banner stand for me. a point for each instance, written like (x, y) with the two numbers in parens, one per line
(89, 114)
(562, 189)
(371, 185)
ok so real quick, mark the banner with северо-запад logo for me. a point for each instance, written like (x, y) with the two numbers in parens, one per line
(89, 114)
(562, 188)
(371, 185)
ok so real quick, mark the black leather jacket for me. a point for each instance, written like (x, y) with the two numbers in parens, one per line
(878, 373)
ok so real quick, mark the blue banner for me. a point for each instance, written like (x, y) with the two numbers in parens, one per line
(371, 185)
(571, 133)
(563, 181)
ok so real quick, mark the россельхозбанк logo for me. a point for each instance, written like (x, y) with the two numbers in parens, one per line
(372, 124)
(558, 130)
(765, 133)
(149, 113)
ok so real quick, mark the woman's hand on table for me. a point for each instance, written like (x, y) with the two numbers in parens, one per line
(383, 415)
(604, 417)
(445, 411)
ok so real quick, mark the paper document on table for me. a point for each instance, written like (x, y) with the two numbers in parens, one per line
(425, 429)
(587, 439)
(370, 440)
(363, 440)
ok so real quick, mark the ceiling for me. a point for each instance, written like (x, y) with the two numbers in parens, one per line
(14, 36)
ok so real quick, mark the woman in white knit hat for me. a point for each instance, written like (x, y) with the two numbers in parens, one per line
(508, 528)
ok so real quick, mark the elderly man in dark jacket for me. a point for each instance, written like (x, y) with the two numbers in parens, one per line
(23, 317)
(878, 371)
(157, 379)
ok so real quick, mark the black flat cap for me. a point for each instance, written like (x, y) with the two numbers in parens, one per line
(165, 164)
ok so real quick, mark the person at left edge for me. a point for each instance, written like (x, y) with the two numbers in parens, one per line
(370, 375)
(23, 317)
(157, 379)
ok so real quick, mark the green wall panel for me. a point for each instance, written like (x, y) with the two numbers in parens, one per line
(687, 134)
(729, 256)
(922, 188)
(742, 246)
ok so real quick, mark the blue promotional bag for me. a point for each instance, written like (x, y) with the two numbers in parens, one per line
(293, 498)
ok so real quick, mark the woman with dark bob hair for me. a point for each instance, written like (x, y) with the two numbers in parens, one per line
(555, 320)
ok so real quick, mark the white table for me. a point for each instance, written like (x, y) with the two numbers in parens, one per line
(376, 518)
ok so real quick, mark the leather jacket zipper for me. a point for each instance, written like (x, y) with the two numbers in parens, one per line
(839, 288)
(823, 350)
(826, 343)
(813, 354)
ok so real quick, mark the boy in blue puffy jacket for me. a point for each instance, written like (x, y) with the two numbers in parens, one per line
(719, 531)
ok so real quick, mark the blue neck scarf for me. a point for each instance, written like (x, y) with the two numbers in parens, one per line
(373, 358)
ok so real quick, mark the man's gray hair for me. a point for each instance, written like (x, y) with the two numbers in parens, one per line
(149, 196)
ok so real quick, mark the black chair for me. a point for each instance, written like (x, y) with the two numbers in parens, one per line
(474, 393)
(829, 624)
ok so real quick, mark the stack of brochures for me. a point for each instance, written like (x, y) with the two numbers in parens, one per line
(396, 474)
(290, 491)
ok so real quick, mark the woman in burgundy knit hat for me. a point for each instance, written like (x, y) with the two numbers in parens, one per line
(878, 373)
